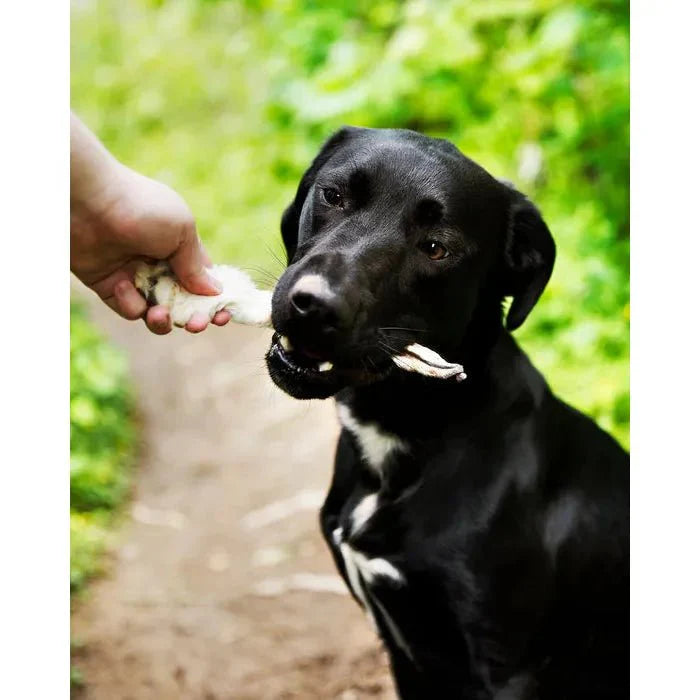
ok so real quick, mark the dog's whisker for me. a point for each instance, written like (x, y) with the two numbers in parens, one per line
(401, 328)
(263, 271)
(276, 257)
(266, 243)
(387, 347)
(265, 274)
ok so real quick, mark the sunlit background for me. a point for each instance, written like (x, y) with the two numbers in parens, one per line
(228, 102)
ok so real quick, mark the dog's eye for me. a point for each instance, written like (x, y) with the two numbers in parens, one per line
(333, 196)
(434, 250)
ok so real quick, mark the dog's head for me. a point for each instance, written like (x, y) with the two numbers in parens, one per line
(394, 237)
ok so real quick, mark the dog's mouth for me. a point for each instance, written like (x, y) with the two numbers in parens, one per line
(307, 374)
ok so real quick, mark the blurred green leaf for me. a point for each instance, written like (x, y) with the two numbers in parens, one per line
(101, 442)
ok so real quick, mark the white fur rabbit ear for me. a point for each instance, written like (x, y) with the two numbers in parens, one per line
(246, 303)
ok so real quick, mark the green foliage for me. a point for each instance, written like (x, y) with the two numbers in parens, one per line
(229, 101)
(102, 437)
(76, 678)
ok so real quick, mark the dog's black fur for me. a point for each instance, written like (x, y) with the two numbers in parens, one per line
(506, 511)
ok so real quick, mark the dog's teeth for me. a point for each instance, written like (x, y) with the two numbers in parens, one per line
(325, 367)
(284, 342)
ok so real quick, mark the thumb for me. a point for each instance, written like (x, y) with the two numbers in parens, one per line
(189, 263)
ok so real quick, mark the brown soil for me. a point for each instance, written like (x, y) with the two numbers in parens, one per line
(200, 601)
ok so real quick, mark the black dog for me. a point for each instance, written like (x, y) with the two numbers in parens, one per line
(483, 526)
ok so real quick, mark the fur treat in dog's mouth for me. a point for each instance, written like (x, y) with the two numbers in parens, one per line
(310, 375)
(252, 306)
(418, 358)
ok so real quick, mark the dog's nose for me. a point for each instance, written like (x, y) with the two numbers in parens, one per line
(312, 300)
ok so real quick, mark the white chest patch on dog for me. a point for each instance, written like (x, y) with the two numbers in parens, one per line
(363, 511)
(375, 444)
(363, 573)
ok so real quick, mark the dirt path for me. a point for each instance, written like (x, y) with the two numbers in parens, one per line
(210, 593)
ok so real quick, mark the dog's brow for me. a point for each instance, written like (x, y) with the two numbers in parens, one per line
(456, 241)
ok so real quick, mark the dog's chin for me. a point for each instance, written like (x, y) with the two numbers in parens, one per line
(308, 379)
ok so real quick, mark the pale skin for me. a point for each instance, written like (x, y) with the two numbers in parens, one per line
(119, 217)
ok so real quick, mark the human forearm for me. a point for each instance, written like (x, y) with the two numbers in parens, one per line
(119, 217)
(92, 167)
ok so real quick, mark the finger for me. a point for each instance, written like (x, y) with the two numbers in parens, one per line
(189, 265)
(221, 318)
(112, 303)
(158, 320)
(197, 323)
(205, 255)
(105, 287)
(130, 304)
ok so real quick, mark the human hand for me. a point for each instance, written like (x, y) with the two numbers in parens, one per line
(119, 218)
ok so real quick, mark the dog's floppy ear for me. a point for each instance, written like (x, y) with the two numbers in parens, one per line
(529, 259)
(292, 214)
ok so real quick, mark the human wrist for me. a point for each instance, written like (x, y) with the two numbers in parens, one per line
(96, 176)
